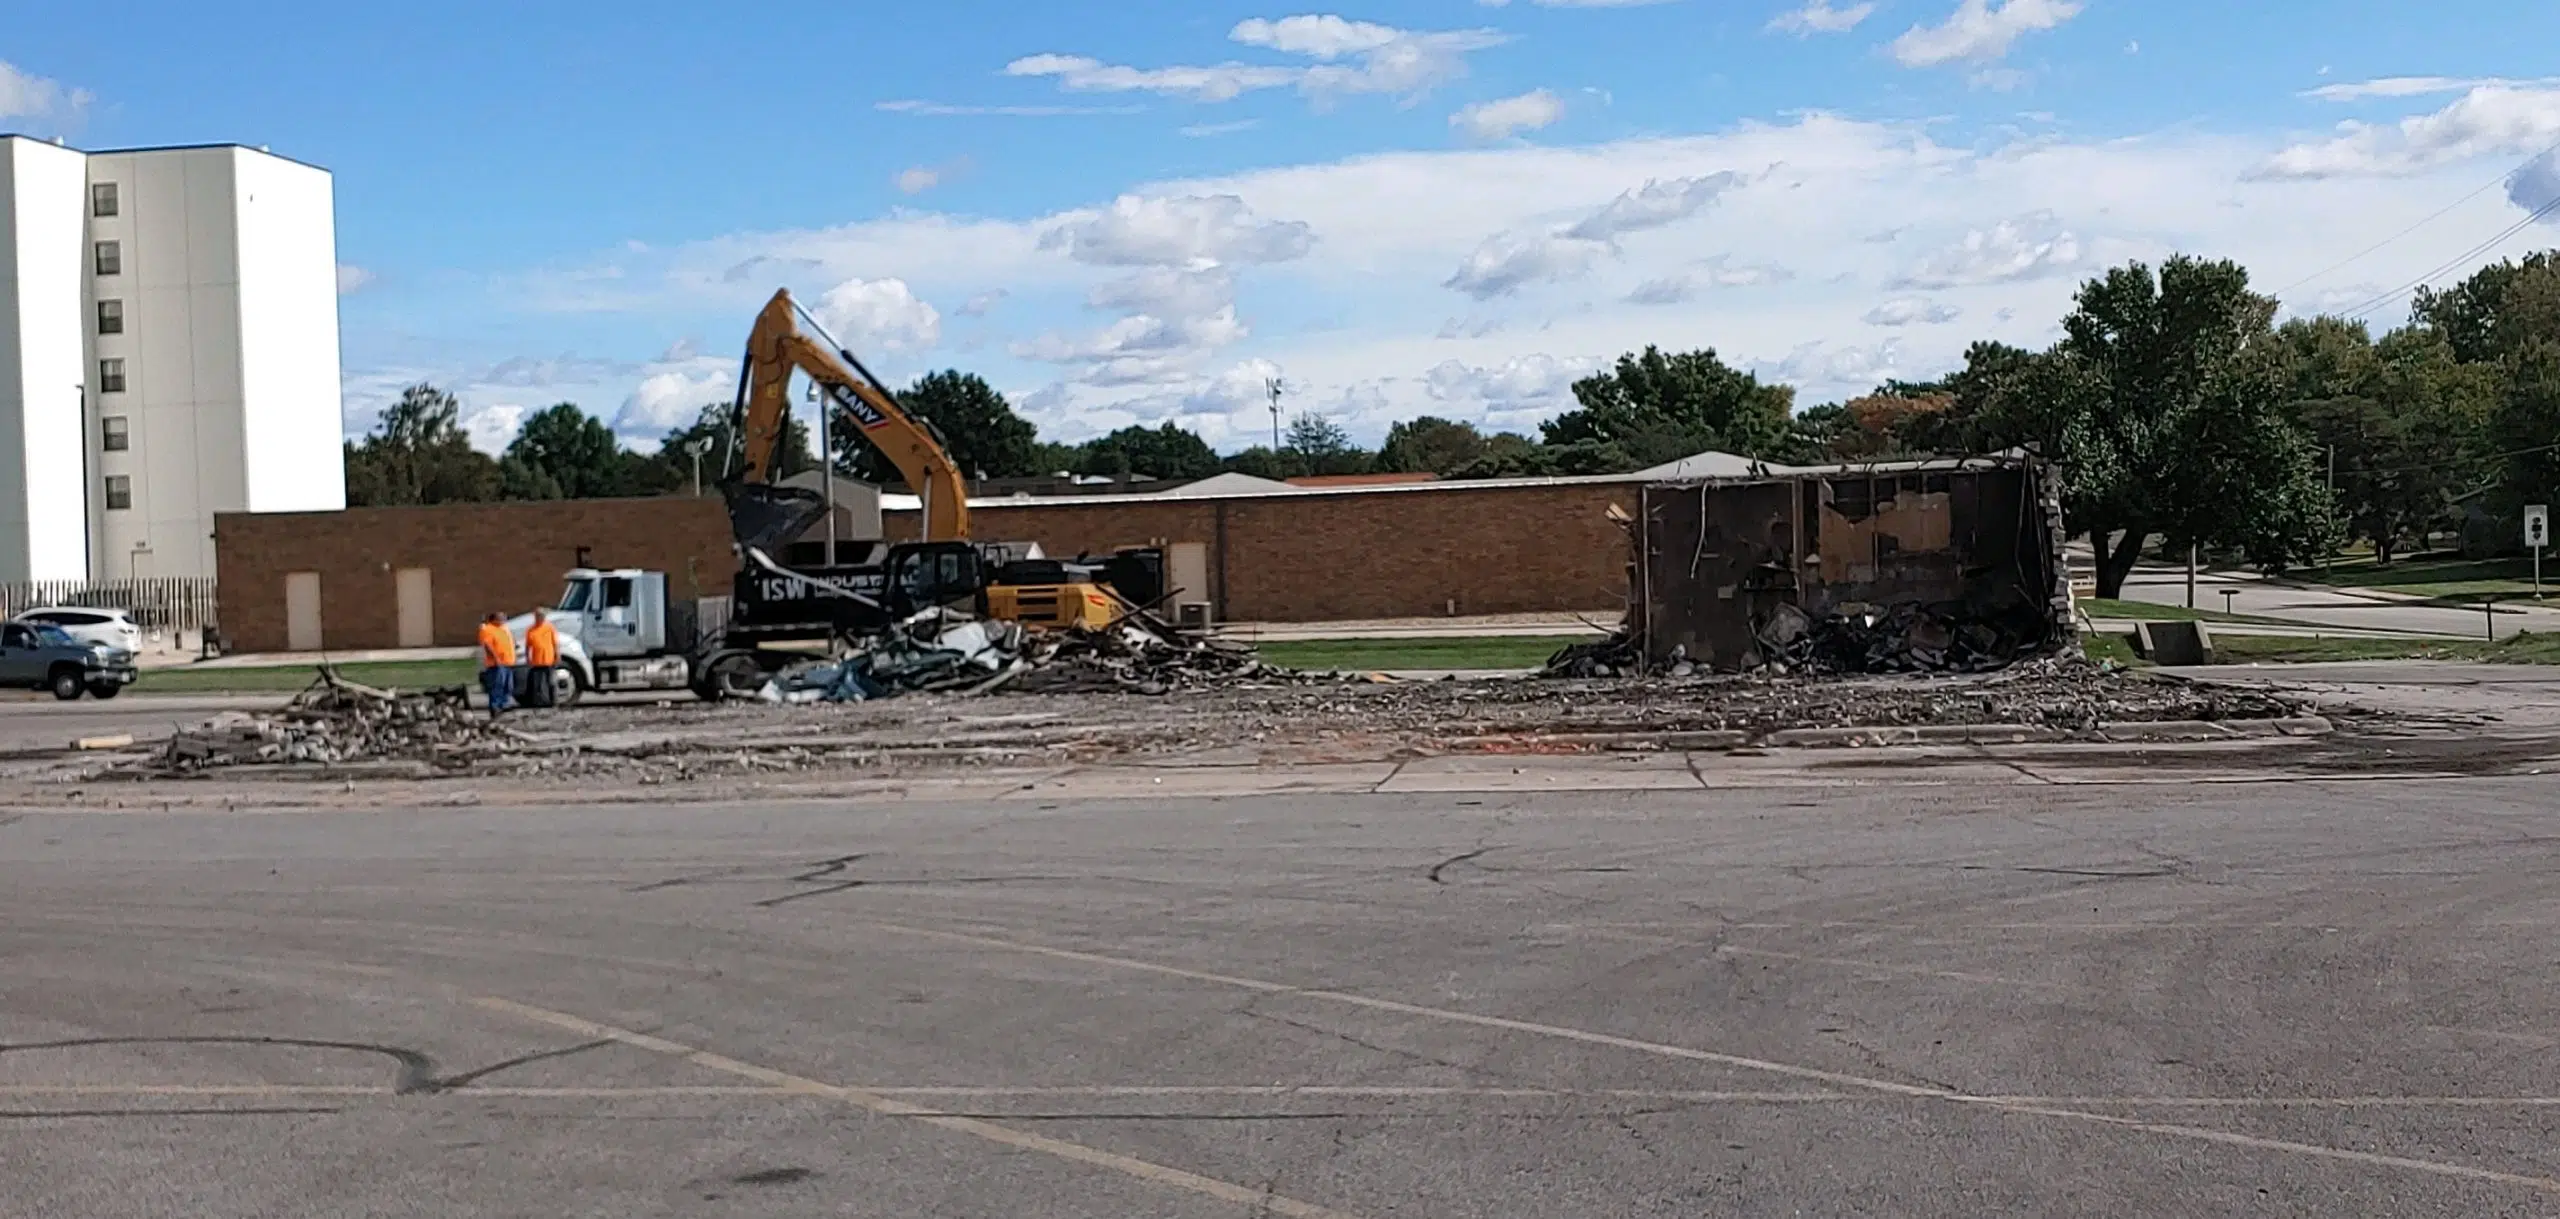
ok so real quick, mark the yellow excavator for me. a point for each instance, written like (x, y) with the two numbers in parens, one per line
(945, 566)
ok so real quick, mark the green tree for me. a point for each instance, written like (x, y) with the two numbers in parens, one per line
(1430, 444)
(1262, 461)
(2402, 423)
(716, 429)
(1321, 446)
(2498, 311)
(417, 454)
(1164, 451)
(1655, 408)
(575, 456)
(975, 424)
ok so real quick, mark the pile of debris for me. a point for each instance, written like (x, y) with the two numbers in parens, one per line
(1904, 638)
(945, 650)
(335, 720)
(1616, 656)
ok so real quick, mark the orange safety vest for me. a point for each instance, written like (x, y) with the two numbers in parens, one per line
(497, 647)
(542, 645)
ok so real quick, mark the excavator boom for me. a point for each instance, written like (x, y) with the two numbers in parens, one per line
(774, 349)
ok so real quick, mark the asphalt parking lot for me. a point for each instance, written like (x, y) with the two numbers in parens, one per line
(2276, 998)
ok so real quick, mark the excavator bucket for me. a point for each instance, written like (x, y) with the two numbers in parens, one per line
(766, 517)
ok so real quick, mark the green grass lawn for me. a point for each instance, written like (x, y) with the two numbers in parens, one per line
(1470, 652)
(2448, 578)
(402, 674)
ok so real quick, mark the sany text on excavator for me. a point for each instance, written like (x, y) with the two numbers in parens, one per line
(626, 631)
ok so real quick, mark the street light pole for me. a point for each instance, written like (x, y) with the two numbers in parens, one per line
(1273, 385)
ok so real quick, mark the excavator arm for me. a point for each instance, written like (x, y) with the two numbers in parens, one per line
(778, 346)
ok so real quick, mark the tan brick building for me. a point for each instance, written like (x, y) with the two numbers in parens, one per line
(399, 577)
(414, 577)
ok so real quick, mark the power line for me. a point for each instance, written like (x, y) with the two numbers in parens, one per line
(2368, 308)
(2484, 188)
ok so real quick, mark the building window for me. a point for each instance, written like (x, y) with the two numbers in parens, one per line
(111, 317)
(112, 434)
(102, 198)
(110, 258)
(119, 492)
(111, 376)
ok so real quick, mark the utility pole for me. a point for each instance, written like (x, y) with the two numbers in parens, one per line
(2333, 505)
(1275, 388)
(697, 446)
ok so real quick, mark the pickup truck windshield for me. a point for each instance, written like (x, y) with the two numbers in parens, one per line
(52, 637)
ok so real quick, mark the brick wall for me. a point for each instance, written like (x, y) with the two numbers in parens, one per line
(1321, 556)
(484, 557)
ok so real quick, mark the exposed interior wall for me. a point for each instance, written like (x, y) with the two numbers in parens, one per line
(1981, 543)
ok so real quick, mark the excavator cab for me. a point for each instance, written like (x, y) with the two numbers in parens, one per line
(922, 575)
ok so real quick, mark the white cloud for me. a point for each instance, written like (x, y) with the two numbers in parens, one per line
(2488, 120)
(1579, 3)
(1911, 311)
(492, 428)
(1352, 57)
(1505, 262)
(25, 95)
(1508, 261)
(1198, 131)
(1819, 17)
(2536, 186)
(1216, 83)
(1530, 386)
(353, 279)
(982, 303)
(2026, 247)
(2406, 86)
(1507, 117)
(1722, 272)
(881, 314)
(1822, 371)
(918, 179)
(672, 395)
(1658, 202)
(1321, 37)
(1980, 31)
(1174, 231)
(928, 109)
(1669, 290)
(1361, 313)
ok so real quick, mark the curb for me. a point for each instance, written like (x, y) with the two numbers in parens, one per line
(1889, 736)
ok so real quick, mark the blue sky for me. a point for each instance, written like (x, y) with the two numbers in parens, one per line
(1140, 211)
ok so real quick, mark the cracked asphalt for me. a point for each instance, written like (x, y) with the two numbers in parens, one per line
(2311, 997)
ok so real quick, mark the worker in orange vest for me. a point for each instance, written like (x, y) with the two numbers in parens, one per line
(541, 660)
(497, 663)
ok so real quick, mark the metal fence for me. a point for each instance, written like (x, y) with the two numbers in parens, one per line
(157, 603)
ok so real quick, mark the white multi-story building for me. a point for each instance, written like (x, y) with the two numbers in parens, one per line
(168, 350)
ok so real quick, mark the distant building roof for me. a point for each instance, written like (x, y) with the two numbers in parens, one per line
(1710, 464)
(1363, 480)
(1229, 483)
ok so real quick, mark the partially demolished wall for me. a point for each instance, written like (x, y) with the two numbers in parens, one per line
(1892, 567)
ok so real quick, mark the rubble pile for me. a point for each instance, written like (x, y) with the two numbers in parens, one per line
(334, 721)
(944, 650)
(1615, 656)
(1905, 638)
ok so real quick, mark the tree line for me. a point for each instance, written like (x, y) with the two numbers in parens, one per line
(2179, 410)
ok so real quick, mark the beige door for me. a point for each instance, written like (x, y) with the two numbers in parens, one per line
(1187, 569)
(417, 607)
(302, 611)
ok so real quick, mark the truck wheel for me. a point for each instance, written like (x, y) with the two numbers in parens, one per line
(566, 686)
(729, 675)
(106, 689)
(65, 683)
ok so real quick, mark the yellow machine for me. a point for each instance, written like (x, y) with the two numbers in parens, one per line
(943, 566)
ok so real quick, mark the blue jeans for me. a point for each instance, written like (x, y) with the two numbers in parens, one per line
(500, 683)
